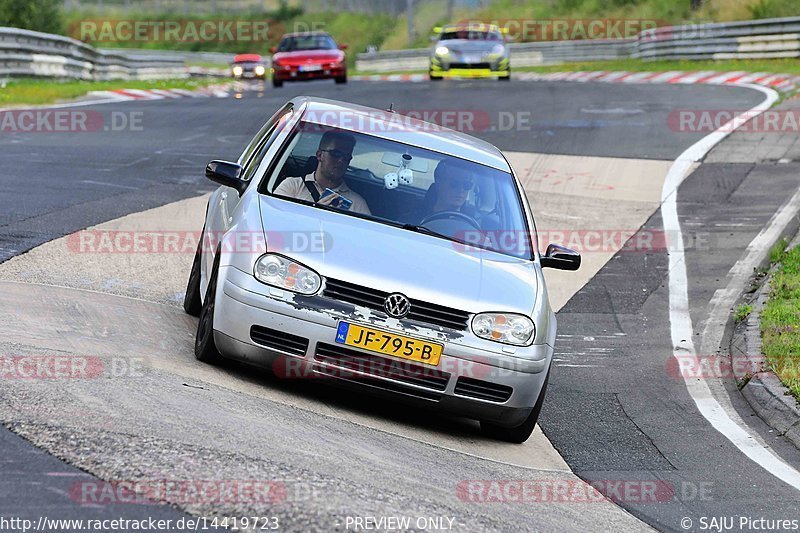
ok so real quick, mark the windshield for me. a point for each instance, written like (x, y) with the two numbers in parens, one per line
(307, 42)
(470, 35)
(404, 186)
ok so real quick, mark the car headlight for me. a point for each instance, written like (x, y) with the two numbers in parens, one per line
(237, 71)
(508, 328)
(498, 50)
(442, 51)
(259, 70)
(284, 273)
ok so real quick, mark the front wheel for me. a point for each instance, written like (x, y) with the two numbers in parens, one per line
(341, 79)
(522, 432)
(277, 83)
(204, 348)
(434, 78)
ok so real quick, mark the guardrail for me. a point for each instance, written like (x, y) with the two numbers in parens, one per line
(752, 39)
(188, 57)
(36, 54)
(522, 54)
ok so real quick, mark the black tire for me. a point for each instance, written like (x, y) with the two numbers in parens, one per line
(204, 348)
(522, 432)
(341, 79)
(277, 83)
(192, 303)
(506, 78)
(434, 78)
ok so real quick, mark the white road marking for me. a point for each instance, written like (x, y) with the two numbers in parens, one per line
(680, 319)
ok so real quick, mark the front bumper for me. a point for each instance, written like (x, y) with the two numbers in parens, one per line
(457, 384)
(250, 74)
(296, 75)
(490, 68)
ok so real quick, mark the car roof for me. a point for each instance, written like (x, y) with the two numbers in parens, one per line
(401, 128)
(246, 58)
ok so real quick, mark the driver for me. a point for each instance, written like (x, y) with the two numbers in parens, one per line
(449, 191)
(333, 155)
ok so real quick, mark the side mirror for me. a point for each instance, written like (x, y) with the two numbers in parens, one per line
(561, 258)
(342, 47)
(433, 38)
(227, 174)
(273, 49)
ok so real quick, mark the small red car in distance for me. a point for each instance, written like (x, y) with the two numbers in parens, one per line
(308, 56)
(248, 66)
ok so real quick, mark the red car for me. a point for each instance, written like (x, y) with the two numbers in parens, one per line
(308, 56)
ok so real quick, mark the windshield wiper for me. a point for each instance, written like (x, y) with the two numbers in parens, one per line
(425, 230)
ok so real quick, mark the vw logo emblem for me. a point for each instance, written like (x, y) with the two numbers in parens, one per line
(397, 305)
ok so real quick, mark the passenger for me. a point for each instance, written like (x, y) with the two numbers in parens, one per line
(333, 156)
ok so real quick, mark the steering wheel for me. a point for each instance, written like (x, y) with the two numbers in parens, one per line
(441, 215)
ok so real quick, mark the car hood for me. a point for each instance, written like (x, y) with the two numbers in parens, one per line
(466, 46)
(392, 259)
(308, 56)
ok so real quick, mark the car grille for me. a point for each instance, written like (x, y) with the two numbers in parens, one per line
(470, 65)
(438, 315)
(382, 369)
(482, 390)
(279, 340)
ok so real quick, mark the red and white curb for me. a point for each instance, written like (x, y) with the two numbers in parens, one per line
(779, 82)
(122, 95)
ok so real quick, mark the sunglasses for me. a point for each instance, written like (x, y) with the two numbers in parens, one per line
(340, 154)
(466, 185)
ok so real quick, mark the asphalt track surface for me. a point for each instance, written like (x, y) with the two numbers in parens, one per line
(621, 416)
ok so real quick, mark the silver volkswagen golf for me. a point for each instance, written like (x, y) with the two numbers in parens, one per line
(379, 252)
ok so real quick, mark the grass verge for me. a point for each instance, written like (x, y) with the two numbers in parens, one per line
(28, 91)
(780, 321)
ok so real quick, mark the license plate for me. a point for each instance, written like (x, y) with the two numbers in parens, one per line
(472, 59)
(386, 343)
(310, 68)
